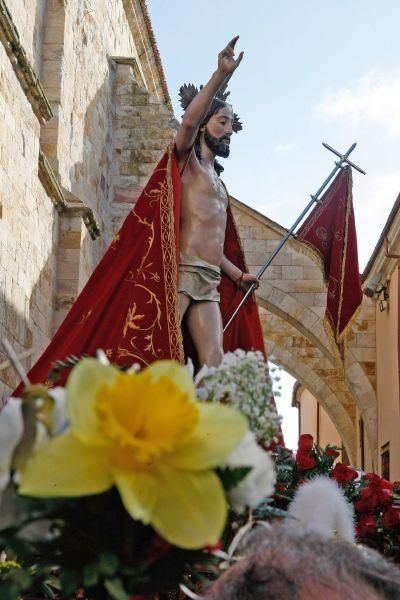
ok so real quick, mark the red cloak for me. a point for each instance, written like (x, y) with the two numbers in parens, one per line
(129, 306)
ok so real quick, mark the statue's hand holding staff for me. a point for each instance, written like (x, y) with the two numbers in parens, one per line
(227, 63)
(246, 280)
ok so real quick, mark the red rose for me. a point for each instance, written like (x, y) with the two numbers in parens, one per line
(379, 493)
(333, 453)
(386, 497)
(374, 497)
(343, 474)
(304, 461)
(377, 481)
(362, 506)
(366, 527)
(385, 484)
(306, 442)
(391, 517)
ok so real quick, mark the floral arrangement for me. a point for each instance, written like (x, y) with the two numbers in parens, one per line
(128, 493)
(376, 501)
(243, 381)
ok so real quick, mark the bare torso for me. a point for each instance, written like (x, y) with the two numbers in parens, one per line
(203, 213)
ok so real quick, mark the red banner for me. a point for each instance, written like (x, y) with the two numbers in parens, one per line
(330, 233)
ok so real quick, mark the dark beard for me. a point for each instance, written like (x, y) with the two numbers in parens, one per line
(216, 145)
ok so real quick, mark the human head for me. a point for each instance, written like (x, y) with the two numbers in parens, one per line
(217, 130)
(282, 566)
(219, 104)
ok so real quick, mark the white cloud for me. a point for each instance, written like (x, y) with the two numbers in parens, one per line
(285, 147)
(373, 99)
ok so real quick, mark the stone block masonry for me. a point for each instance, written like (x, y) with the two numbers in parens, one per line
(65, 50)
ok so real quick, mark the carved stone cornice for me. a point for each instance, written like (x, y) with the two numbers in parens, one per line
(50, 183)
(131, 62)
(77, 208)
(64, 201)
(26, 75)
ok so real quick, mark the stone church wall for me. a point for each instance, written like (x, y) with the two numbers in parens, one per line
(66, 178)
(28, 224)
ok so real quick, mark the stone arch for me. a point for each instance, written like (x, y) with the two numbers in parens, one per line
(292, 300)
(279, 336)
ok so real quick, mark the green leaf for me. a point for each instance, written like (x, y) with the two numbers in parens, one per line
(9, 591)
(22, 578)
(116, 590)
(285, 467)
(108, 563)
(91, 575)
(232, 476)
(69, 581)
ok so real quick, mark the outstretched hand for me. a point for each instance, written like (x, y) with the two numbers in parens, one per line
(227, 63)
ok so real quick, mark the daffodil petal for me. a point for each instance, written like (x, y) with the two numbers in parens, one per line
(218, 432)
(188, 509)
(191, 509)
(138, 491)
(66, 467)
(82, 387)
(174, 372)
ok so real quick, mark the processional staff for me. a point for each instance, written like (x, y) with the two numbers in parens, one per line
(314, 198)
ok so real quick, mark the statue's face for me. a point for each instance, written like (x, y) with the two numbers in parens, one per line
(218, 131)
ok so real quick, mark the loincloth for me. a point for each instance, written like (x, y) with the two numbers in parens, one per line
(198, 279)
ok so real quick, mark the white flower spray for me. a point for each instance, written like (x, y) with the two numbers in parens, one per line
(243, 381)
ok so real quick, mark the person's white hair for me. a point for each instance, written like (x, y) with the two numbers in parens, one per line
(321, 507)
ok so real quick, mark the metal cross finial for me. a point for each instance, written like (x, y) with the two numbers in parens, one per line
(343, 157)
(314, 198)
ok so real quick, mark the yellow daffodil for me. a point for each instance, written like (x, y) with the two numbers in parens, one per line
(146, 434)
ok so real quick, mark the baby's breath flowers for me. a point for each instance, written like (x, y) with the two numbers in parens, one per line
(242, 380)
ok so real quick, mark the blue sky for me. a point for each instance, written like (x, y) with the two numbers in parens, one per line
(313, 71)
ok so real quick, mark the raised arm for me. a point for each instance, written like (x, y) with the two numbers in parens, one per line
(200, 105)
